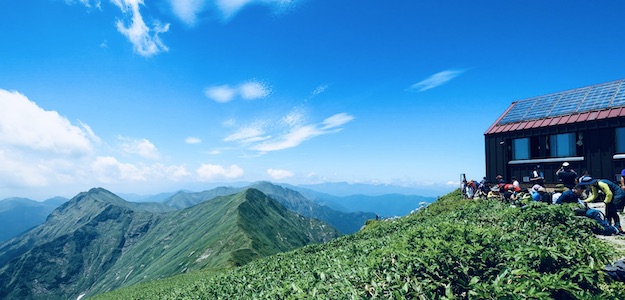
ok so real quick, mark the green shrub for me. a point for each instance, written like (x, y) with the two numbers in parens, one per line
(453, 249)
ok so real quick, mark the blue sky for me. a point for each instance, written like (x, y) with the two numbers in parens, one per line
(153, 96)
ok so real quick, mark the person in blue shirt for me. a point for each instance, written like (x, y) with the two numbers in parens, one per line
(573, 196)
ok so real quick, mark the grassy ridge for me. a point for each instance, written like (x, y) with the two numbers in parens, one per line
(451, 250)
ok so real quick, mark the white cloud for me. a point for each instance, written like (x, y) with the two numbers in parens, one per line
(108, 169)
(145, 40)
(296, 132)
(19, 171)
(294, 118)
(292, 139)
(436, 80)
(141, 147)
(211, 172)
(40, 149)
(26, 125)
(250, 90)
(336, 120)
(220, 93)
(320, 89)
(253, 90)
(87, 3)
(279, 174)
(187, 10)
(250, 134)
(90, 133)
(230, 7)
(192, 140)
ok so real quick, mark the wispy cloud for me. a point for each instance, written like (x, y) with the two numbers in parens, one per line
(320, 89)
(253, 90)
(87, 3)
(436, 80)
(336, 120)
(279, 174)
(250, 90)
(249, 134)
(145, 40)
(299, 134)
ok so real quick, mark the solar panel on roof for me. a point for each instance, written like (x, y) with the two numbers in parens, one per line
(591, 98)
(598, 96)
(542, 106)
(517, 112)
(619, 99)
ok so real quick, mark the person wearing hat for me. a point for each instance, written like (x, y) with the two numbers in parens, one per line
(537, 176)
(539, 194)
(614, 197)
(566, 175)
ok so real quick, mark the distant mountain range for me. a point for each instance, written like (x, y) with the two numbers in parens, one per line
(345, 212)
(18, 215)
(345, 222)
(97, 241)
(343, 189)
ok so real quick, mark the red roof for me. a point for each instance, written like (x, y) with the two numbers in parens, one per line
(576, 118)
(608, 101)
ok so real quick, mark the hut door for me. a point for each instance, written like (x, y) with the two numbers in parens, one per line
(599, 154)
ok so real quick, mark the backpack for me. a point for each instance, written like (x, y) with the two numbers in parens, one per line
(545, 197)
(616, 270)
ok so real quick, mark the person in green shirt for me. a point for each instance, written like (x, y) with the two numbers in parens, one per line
(614, 196)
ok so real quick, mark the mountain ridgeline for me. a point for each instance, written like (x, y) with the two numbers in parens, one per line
(97, 242)
(345, 222)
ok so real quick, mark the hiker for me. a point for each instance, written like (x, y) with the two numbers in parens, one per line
(557, 192)
(516, 183)
(573, 196)
(511, 194)
(494, 193)
(470, 189)
(566, 175)
(484, 187)
(614, 197)
(540, 194)
(537, 176)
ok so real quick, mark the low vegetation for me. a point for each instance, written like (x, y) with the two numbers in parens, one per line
(453, 249)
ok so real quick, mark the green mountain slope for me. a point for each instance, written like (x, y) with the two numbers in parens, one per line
(453, 249)
(77, 244)
(97, 242)
(345, 222)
